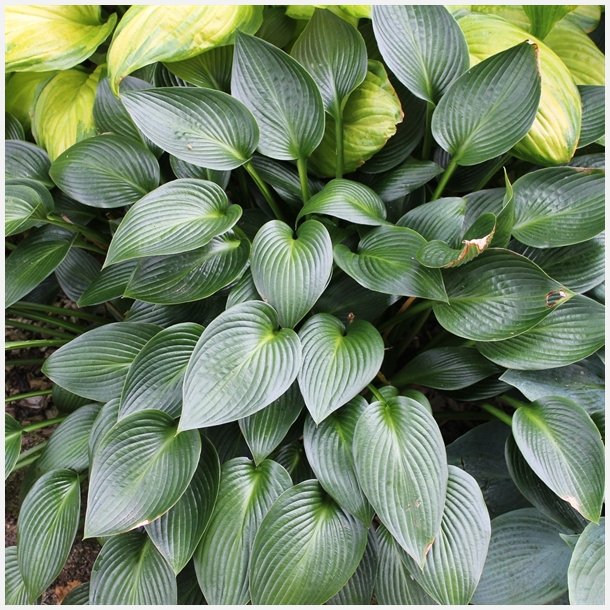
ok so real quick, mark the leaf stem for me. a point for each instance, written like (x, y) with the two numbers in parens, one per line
(427, 143)
(73, 328)
(490, 174)
(40, 330)
(501, 415)
(43, 424)
(404, 315)
(32, 450)
(264, 189)
(339, 149)
(513, 402)
(32, 343)
(93, 236)
(375, 392)
(302, 167)
(24, 361)
(442, 183)
(16, 397)
(25, 306)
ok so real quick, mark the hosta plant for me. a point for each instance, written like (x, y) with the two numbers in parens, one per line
(322, 297)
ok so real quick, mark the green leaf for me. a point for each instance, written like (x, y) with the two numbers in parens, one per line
(109, 284)
(201, 126)
(266, 429)
(140, 469)
(25, 160)
(586, 572)
(282, 96)
(14, 587)
(33, 260)
(563, 447)
(44, 38)
(76, 272)
(348, 200)
(491, 107)
(526, 563)
(180, 31)
(386, 263)
(221, 560)
(190, 276)
(338, 362)
(12, 443)
(422, 45)
(292, 457)
(94, 365)
(543, 18)
(13, 129)
(48, 520)
(401, 465)
(22, 91)
(291, 271)
(593, 113)
(106, 419)
(586, 17)
(211, 69)
(182, 169)
(568, 334)
(559, 206)
(334, 53)
(63, 114)
(26, 205)
(130, 571)
(79, 596)
(68, 446)
(442, 219)
(177, 533)
(498, 295)
(329, 452)
(107, 171)
(241, 345)
(157, 372)
(405, 178)
(302, 526)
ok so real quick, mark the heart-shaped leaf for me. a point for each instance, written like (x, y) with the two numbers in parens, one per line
(441, 219)
(303, 525)
(48, 519)
(338, 362)
(329, 451)
(157, 372)
(94, 365)
(422, 45)
(291, 272)
(140, 469)
(246, 493)
(26, 160)
(130, 571)
(563, 447)
(281, 95)
(241, 345)
(12, 443)
(106, 171)
(179, 216)
(401, 465)
(26, 205)
(201, 126)
(386, 263)
(177, 533)
(586, 572)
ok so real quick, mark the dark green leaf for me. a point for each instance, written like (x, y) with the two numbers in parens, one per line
(76, 272)
(106, 419)
(210, 69)
(442, 219)
(183, 169)
(25, 160)
(14, 587)
(79, 596)
(593, 106)
(543, 18)
(12, 443)
(405, 178)
(13, 129)
(26, 205)
(109, 284)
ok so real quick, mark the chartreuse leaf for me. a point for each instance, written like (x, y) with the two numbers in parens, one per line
(593, 114)
(106, 171)
(329, 452)
(211, 69)
(14, 587)
(201, 126)
(334, 53)
(179, 216)
(291, 271)
(34, 259)
(491, 107)
(130, 571)
(305, 538)
(586, 572)
(63, 114)
(338, 362)
(26, 205)
(563, 447)
(194, 275)
(157, 372)
(22, 91)
(401, 465)
(385, 262)
(221, 560)
(527, 560)
(48, 519)
(12, 443)
(26, 160)
(394, 584)
(498, 295)
(282, 96)
(568, 334)
(553, 136)
(422, 45)
(585, 16)
(44, 38)
(265, 429)
(241, 363)
(543, 18)
(559, 206)
(94, 365)
(177, 533)
(370, 116)
(140, 469)
(348, 200)
(109, 284)
(181, 32)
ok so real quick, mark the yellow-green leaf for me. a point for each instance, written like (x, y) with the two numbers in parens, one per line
(63, 114)
(147, 34)
(42, 38)
(370, 117)
(22, 91)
